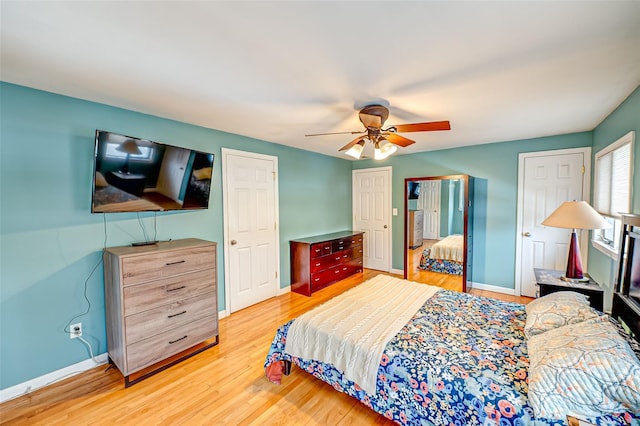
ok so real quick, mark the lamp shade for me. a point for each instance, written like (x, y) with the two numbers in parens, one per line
(129, 146)
(356, 150)
(576, 215)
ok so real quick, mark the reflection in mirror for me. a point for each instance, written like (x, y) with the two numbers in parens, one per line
(437, 231)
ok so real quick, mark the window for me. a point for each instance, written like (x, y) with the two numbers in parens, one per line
(113, 152)
(614, 170)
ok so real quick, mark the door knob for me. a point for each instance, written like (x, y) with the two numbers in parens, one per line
(385, 227)
(234, 242)
(526, 234)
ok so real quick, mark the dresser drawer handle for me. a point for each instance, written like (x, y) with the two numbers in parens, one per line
(175, 315)
(177, 340)
(175, 263)
(175, 289)
(318, 264)
(317, 279)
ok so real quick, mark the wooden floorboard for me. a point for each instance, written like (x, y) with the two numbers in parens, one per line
(224, 385)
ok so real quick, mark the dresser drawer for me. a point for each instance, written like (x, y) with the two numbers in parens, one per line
(320, 249)
(320, 263)
(345, 243)
(138, 269)
(142, 297)
(155, 321)
(161, 346)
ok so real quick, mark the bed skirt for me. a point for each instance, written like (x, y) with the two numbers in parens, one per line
(439, 265)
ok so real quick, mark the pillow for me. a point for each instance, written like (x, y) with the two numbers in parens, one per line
(584, 370)
(556, 310)
(100, 180)
(204, 173)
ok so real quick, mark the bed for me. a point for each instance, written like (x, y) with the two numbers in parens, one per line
(445, 256)
(108, 198)
(461, 359)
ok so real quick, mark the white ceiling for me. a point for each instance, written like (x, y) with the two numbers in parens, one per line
(277, 70)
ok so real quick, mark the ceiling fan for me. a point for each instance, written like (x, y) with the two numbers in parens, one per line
(385, 141)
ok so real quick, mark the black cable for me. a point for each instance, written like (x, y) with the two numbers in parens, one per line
(144, 231)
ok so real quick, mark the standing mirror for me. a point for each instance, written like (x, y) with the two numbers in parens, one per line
(438, 231)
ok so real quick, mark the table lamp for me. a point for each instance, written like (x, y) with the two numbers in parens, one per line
(128, 147)
(575, 215)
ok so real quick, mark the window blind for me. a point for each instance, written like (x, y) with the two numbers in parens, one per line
(613, 178)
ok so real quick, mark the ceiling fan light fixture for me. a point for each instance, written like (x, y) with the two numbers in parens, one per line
(356, 150)
(382, 152)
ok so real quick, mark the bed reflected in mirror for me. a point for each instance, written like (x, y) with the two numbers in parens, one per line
(438, 231)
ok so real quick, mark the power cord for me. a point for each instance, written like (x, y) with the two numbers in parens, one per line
(66, 328)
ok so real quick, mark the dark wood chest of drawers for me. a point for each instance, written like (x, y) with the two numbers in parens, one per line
(321, 260)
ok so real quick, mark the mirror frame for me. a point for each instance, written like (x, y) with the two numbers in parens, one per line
(467, 217)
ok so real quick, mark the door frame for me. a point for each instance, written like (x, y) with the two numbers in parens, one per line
(388, 207)
(586, 191)
(225, 217)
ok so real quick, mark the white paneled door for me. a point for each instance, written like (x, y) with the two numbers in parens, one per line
(547, 180)
(171, 174)
(430, 198)
(251, 224)
(372, 215)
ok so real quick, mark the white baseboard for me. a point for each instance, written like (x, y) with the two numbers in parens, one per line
(49, 378)
(284, 290)
(494, 288)
(397, 271)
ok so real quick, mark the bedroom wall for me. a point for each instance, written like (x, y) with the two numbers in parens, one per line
(495, 169)
(50, 243)
(621, 121)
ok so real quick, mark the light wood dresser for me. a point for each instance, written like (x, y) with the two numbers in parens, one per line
(416, 221)
(161, 304)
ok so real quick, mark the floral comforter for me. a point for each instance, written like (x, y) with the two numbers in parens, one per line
(461, 360)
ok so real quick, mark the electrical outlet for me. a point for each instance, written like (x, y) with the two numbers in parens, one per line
(75, 330)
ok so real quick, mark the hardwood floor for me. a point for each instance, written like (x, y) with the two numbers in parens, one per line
(224, 385)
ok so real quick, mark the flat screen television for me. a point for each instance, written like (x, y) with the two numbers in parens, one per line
(631, 280)
(131, 174)
(414, 190)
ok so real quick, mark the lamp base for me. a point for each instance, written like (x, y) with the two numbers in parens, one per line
(574, 263)
(575, 280)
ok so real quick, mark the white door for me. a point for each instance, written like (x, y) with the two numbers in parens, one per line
(250, 201)
(372, 214)
(547, 179)
(172, 169)
(431, 207)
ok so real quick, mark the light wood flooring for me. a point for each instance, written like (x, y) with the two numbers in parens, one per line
(224, 385)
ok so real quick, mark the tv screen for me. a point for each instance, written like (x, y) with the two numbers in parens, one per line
(634, 271)
(414, 190)
(134, 175)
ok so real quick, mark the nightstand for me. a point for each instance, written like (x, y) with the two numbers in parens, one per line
(132, 183)
(549, 282)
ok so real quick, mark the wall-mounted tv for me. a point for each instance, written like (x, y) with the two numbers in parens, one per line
(131, 174)
(414, 190)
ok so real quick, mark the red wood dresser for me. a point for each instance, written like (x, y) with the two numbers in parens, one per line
(321, 260)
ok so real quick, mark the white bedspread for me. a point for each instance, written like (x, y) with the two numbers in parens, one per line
(351, 331)
(448, 248)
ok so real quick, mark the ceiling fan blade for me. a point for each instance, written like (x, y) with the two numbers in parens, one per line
(423, 127)
(352, 143)
(337, 133)
(398, 140)
(371, 120)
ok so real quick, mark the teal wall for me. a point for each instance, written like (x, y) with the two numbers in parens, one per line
(495, 169)
(50, 242)
(623, 120)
